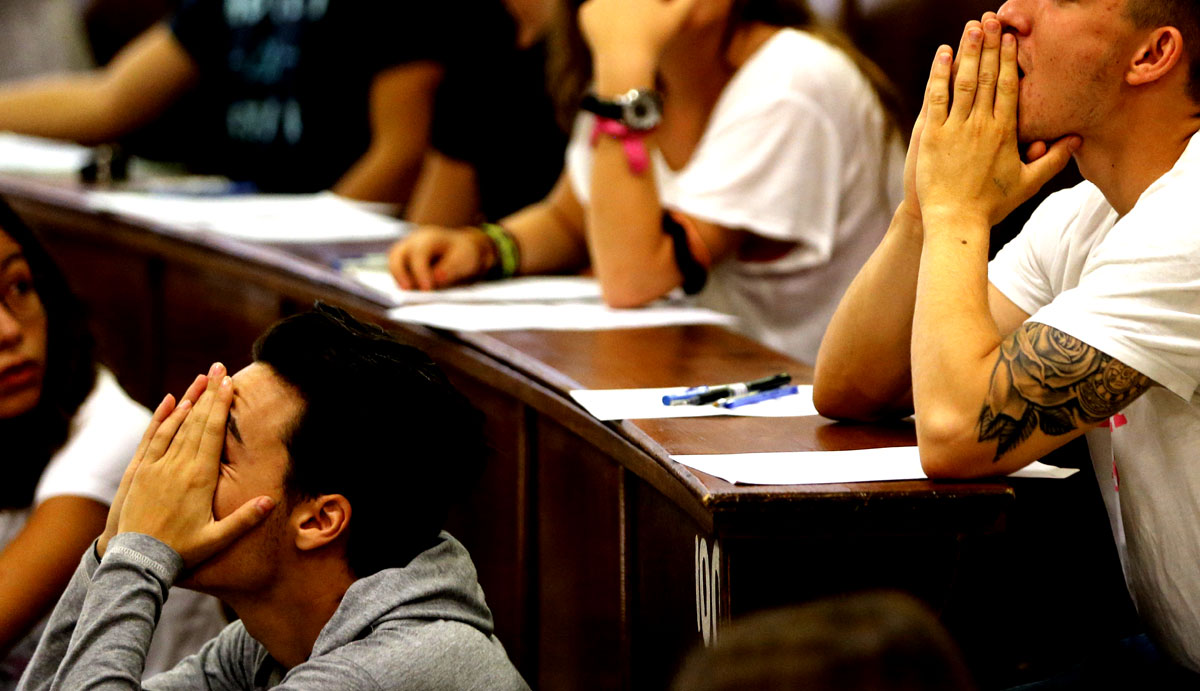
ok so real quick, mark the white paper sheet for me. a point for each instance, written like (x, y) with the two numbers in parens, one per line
(645, 404)
(21, 154)
(322, 217)
(524, 289)
(559, 316)
(824, 467)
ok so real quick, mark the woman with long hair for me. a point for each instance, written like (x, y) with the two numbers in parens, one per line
(67, 431)
(730, 147)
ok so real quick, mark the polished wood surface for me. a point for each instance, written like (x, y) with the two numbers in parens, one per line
(603, 560)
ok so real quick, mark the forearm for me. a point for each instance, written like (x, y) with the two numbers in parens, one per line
(550, 234)
(73, 107)
(38, 563)
(118, 615)
(381, 176)
(863, 370)
(53, 646)
(633, 258)
(954, 344)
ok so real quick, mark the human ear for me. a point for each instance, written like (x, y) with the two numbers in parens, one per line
(1156, 56)
(320, 520)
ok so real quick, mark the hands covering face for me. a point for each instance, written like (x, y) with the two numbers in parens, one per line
(968, 166)
(167, 490)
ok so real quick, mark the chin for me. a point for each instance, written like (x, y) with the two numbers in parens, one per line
(19, 403)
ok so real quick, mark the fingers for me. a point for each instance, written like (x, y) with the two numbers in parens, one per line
(938, 97)
(161, 440)
(989, 64)
(398, 265)
(458, 263)
(1008, 82)
(1047, 166)
(198, 386)
(188, 441)
(966, 80)
(213, 438)
(411, 260)
(164, 409)
(1035, 151)
(420, 261)
(222, 533)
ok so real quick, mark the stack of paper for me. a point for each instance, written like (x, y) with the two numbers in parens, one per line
(644, 404)
(824, 467)
(562, 316)
(282, 218)
(21, 154)
(529, 302)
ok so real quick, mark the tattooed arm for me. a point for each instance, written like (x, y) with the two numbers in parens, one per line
(987, 401)
(1046, 388)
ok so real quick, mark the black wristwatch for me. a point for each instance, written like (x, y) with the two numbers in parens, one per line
(637, 109)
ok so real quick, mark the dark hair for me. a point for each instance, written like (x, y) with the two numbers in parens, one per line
(569, 64)
(880, 641)
(31, 439)
(380, 425)
(1181, 14)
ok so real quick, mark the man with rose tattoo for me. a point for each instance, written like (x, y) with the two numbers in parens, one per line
(1089, 321)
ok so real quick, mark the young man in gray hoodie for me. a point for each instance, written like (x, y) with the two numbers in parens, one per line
(307, 492)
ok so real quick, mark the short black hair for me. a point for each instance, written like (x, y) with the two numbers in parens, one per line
(381, 425)
(34, 437)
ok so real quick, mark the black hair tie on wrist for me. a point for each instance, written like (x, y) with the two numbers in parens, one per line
(694, 273)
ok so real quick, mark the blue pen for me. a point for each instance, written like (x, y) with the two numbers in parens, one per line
(703, 395)
(682, 398)
(759, 397)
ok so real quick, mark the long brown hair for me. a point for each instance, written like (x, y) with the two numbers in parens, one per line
(28, 441)
(569, 63)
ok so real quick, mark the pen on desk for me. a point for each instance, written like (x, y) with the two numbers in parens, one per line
(759, 397)
(712, 394)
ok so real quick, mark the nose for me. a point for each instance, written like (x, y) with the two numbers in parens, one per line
(10, 328)
(1014, 14)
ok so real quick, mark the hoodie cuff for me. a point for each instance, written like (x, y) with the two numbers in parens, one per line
(143, 553)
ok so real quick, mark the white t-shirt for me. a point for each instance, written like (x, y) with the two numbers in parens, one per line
(1130, 287)
(794, 151)
(103, 437)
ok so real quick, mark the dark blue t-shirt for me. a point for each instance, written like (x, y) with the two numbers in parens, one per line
(285, 84)
(493, 112)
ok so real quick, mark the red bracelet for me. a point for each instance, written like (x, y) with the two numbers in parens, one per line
(633, 141)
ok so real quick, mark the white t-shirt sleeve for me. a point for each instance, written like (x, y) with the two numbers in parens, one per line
(104, 435)
(1137, 295)
(1142, 310)
(1021, 270)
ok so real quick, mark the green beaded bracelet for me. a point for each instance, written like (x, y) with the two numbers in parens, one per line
(508, 255)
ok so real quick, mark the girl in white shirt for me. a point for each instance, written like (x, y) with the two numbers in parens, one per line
(768, 181)
(67, 431)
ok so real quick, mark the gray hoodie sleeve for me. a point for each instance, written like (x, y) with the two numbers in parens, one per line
(102, 626)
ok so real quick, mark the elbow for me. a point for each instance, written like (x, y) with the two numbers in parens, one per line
(627, 291)
(836, 400)
(839, 395)
(949, 447)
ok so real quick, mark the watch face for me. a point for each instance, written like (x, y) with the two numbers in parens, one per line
(643, 111)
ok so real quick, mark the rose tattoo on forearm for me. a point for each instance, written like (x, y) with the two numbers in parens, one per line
(1048, 380)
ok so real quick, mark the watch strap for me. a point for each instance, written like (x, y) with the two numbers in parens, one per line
(605, 109)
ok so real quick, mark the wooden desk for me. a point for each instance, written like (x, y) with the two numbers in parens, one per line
(602, 559)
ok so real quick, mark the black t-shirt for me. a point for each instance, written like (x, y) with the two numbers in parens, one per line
(285, 84)
(493, 112)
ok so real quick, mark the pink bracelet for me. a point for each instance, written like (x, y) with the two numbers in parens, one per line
(633, 142)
